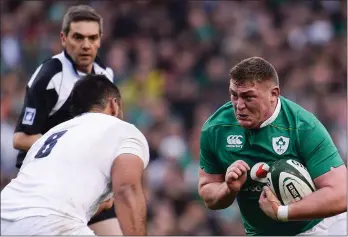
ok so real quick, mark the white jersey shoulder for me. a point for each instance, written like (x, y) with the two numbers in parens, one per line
(67, 171)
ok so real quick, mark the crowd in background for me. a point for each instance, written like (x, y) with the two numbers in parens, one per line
(171, 60)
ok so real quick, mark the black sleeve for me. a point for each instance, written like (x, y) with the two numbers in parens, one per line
(39, 100)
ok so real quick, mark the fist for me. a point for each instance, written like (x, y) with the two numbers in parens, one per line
(236, 175)
(269, 203)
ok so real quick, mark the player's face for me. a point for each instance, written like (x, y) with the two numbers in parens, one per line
(82, 43)
(253, 101)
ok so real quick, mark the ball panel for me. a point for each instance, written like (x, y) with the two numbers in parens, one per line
(292, 188)
(303, 172)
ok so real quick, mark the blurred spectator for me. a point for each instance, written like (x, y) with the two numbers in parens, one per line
(171, 60)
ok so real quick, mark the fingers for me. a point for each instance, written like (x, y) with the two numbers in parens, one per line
(242, 163)
(271, 198)
(267, 191)
(236, 170)
(269, 194)
(262, 196)
(235, 173)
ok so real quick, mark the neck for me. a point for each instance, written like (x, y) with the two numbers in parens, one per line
(271, 114)
(107, 111)
(271, 111)
(87, 69)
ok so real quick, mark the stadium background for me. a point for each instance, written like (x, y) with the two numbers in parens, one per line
(171, 60)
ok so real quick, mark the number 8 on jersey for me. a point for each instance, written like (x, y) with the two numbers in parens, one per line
(51, 141)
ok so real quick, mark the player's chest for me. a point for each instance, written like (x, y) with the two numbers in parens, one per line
(259, 149)
(265, 145)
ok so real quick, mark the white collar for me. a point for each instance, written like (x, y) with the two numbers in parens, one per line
(274, 115)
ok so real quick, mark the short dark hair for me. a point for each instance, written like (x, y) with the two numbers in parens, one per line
(92, 91)
(254, 68)
(81, 13)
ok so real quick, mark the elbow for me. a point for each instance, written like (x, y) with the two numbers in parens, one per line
(126, 191)
(342, 202)
(211, 206)
(17, 141)
(337, 200)
(208, 203)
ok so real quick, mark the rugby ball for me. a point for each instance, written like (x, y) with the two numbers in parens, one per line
(289, 180)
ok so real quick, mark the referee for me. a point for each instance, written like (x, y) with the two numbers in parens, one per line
(47, 102)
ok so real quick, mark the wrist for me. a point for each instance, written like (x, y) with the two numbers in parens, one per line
(283, 213)
(230, 191)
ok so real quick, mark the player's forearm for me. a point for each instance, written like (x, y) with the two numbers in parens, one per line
(323, 203)
(130, 207)
(217, 196)
(23, 141)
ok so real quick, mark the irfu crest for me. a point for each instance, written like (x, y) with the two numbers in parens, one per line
(280, 144)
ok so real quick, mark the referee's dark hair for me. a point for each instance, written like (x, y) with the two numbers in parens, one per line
(81, 13)
(92, 91)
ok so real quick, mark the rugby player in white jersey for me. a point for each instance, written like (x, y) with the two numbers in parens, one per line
(78, 167)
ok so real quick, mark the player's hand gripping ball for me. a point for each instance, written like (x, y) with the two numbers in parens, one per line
(269, 203)
(236, 175)
(289, 180)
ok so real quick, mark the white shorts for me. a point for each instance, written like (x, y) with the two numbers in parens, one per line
(44, 225)
(335, 225)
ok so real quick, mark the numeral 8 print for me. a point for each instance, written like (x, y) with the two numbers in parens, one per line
(50, 142)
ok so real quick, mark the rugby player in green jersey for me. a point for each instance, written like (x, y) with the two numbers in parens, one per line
(254, 129)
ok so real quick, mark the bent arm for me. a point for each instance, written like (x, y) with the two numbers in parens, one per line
(214, 191)
(23, 141)
(39, 100)
(329, 199)
(130, 204)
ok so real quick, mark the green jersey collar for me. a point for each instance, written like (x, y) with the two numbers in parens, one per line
(274, 115)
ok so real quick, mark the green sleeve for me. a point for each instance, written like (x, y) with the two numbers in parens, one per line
(317, 149)
(208, 160)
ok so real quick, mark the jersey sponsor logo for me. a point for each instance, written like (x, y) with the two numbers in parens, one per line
(29, 116)
(235, 141)
(258, 173)
(280, 144)
(253, 188)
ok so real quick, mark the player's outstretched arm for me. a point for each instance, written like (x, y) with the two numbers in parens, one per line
(219, 190)
(130, 204)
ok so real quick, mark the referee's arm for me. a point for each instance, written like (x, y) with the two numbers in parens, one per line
(40, 98)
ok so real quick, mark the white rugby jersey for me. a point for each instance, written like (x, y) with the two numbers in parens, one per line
(67, 172)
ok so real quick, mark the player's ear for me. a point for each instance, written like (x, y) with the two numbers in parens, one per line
(275, 93)
(115, 109)
(63, 39)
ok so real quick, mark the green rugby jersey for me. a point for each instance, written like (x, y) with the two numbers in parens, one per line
(290, 133)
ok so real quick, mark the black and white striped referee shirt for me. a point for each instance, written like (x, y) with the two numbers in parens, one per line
(46, 101)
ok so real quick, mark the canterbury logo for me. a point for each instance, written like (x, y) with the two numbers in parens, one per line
(235, 141)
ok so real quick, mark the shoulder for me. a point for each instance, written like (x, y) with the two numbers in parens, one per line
(131, 130)
(45, 72)
(118, 126)
(222, 116)
(100, 67)
(302, 118)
